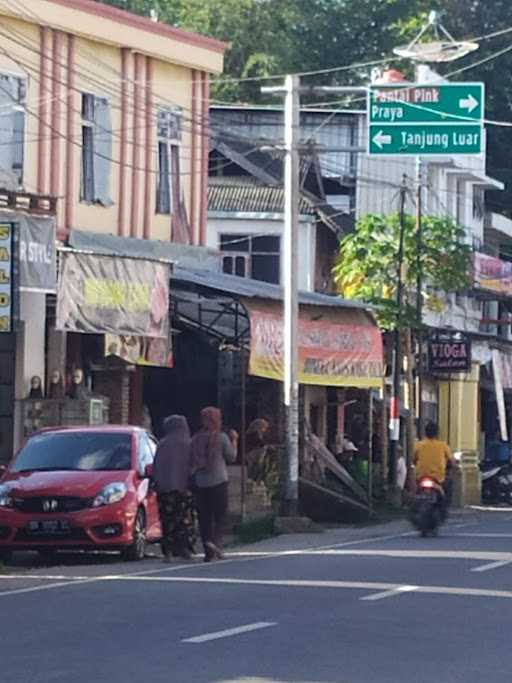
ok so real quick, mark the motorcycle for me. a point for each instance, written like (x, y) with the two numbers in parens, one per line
(496, 482)
(429, 509)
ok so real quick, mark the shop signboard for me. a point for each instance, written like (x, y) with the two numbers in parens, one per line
(113, 295)
(336, 348)
(449, 352)
(6, 267)
(37, 254)
(492, 273)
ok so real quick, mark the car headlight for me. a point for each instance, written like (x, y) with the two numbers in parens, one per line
(112, 493)
(5, 498)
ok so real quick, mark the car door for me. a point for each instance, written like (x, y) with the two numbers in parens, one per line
(147, 450)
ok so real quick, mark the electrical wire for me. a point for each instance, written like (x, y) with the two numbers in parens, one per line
(27, 12)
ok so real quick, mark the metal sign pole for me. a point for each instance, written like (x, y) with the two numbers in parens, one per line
(419, 295)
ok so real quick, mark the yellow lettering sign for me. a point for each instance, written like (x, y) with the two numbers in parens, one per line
(5, 232)
(5, 323)
(131, 296)
(4, 278)
(5, 300)
(4, 254)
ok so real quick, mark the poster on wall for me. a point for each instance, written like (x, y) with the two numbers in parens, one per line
(150, 351)
(340, 347)
(6, 263)
(113, 295)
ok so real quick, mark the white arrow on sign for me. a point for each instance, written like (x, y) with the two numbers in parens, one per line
(381, 139)
(468, 103)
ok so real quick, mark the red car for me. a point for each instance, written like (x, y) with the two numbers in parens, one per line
(80, 487)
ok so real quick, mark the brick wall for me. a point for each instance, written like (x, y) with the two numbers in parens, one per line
(115, 385)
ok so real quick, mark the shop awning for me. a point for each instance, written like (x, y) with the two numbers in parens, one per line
(340, 343)
(113, 245)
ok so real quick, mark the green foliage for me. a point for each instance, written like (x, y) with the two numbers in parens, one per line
(366, 267)
(285, 36)
(255, 530)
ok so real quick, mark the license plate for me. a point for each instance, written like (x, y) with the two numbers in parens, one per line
(428, 496)
(52, 527)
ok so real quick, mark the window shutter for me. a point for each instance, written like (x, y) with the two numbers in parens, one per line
(87, 180)
(163, 193)
(102, 151)
(9, 140)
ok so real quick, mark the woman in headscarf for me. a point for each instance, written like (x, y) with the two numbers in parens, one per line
(171, 471)
(211, 450)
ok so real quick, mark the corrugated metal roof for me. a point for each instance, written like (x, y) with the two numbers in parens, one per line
(248, 288)
(247, 196)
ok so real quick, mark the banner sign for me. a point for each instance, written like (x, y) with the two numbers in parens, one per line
(113, 295)
(449, 352)
(37, 254)
(336, 347)
(6, 263)
(140, 350)
(492, 273)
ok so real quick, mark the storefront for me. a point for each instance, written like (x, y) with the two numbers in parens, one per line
(27, 275)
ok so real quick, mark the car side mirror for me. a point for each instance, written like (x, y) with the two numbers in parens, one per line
(148, 472)
(3, 470)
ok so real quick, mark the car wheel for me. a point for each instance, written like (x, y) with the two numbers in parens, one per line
(47, 555)
(137, 550)
(5, 556)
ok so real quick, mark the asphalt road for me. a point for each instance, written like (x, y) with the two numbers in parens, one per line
(379, 605)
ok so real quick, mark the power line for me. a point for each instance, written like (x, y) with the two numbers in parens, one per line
(348, 67)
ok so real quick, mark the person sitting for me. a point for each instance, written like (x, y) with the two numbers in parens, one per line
(433, 458)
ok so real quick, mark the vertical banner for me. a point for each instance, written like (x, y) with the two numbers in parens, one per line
(6, 265)
(37, 254)
(500, 395)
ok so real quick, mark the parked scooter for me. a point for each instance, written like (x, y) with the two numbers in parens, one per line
(496, 482)
(429, 508)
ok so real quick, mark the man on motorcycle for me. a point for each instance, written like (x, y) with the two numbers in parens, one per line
(433, 458)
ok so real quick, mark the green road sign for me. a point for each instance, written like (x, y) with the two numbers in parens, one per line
(415, 103)
(424, 139)
(421, 120)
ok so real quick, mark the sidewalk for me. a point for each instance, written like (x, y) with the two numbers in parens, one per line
(340, 535)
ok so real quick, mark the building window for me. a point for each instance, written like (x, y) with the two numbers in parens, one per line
(257, 256)
(478, 203)
(237, 264)
(95, 182)
(12, 130)
(168, 188)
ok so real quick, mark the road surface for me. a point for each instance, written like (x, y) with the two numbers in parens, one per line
(379, 605)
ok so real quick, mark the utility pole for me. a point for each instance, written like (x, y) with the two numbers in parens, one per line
(290, 485)
(419, 295)
(394, 413)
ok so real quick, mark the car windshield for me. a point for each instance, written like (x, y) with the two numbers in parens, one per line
(82, 451)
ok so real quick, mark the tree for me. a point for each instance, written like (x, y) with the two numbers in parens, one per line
(288, 36)
(366, 267)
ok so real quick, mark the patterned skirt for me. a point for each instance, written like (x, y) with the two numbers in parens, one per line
(178, 520)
